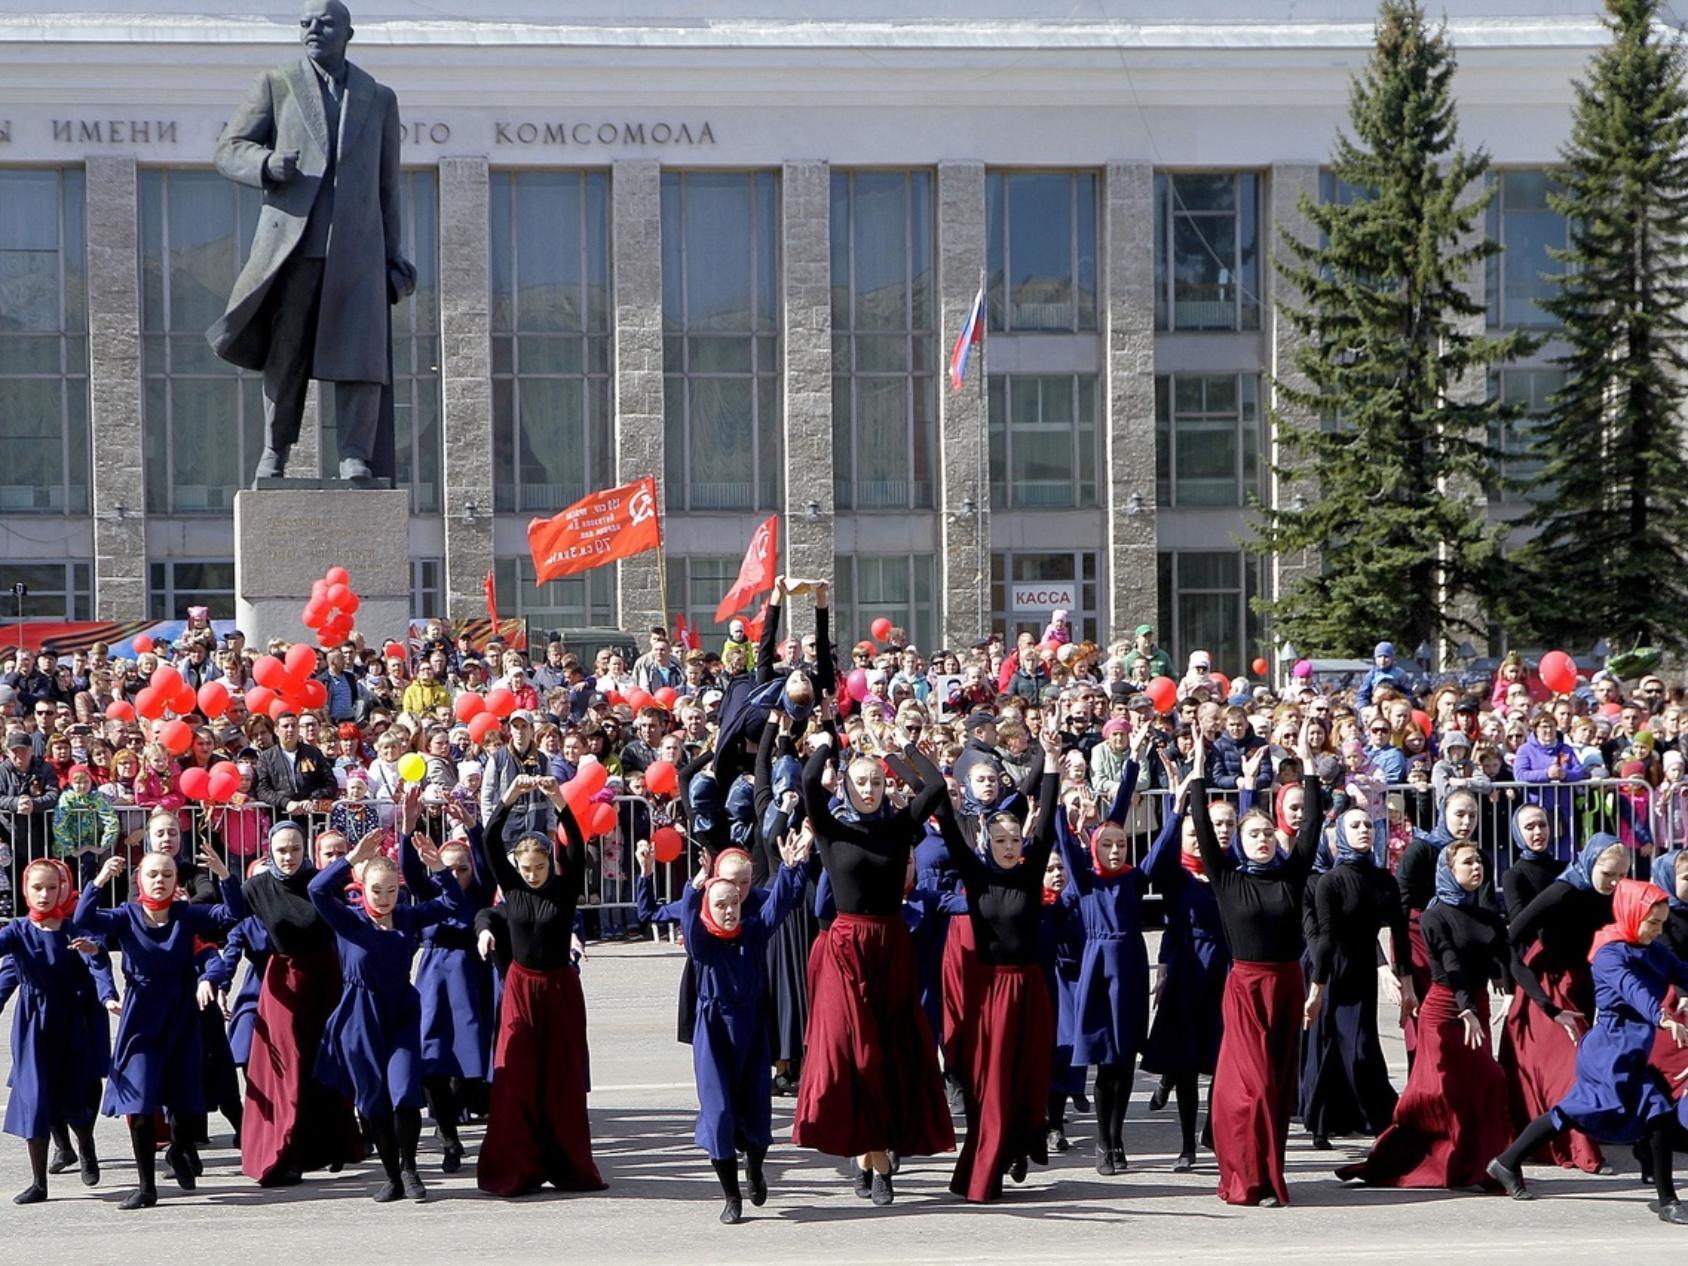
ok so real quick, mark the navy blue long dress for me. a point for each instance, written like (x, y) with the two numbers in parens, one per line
(158, 1057)
(454, 981)
(58, 1056)
(1188, 1022)
(372, 1047)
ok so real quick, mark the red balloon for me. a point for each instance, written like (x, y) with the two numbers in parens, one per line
(350, 603)
(337, 595)
(1224, 684)
(1260, 667)
(639, 700)
(319, 591)
(1163, 693)
(166, 680)
(195, 783)
(312, 695)
(601, 819)
(315, 614)
(280, 708)
(336, 576)
(149, 703)
(467, 706)
(177, 736)
(661, 778)
(591, 777)
(615, 697)
(301, 661)
(328, 637)
(120, 710)
(1558, 672)
(881, 628)
(224, 781)
(258, 700)
(185, 700)
(666, 696)
(269, 671)
(500, 702)
(481, 725)
(667, 844)
(142, 644)
(213, 699)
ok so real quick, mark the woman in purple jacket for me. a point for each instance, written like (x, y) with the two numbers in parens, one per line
(1546, 758)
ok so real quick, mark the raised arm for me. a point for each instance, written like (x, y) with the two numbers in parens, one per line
(932, 788)
(1049, 811)
(766, 644)
(816, 802)
(826, 679)
(325, 891)
(497, 856)
(1312, 825)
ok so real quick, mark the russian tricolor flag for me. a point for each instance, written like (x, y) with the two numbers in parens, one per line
(972, 331)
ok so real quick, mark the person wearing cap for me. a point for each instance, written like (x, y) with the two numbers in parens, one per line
(1144, 648)
(1383, 672)
(29, 792)
(1456, 769)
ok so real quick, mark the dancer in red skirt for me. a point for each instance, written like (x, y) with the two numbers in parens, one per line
(870, 1079)
(1554, 1002)
(292, 1123)
(1005, 1081)
(1451, 1118)
(1265, 1006)
(538, 1132)
(1416, 880)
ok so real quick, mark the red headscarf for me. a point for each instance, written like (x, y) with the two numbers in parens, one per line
(715, 929)
(1278, 806)
(1096, 851)
(1631, 902)
(67, 887)
(1192, 862)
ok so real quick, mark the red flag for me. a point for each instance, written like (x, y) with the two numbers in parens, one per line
(756, 573)
(685, 634)
(753, 626)
(491, 592)
(599, 528)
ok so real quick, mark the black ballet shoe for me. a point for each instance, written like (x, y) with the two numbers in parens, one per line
(1207, 1136)
(1271, 1202)
(388, 1192)
(62, 1160)
(284, 1178)
(1058, 1140)
(1604, 1170)
(412, 1184)
(1644, 1158)
(1017, 1170)
(198, 1163)
(758, 1188)
(1081, 1103)
(1321, 1143)
(864, 1183)
(895, 1161)
(1157, 1101)
(1511, 1180)
(336, 1166)
(1674, 1211)
(35, 1193)
(452, 1161)
(1105, 1162)
(732, 1213)
(882, 1191)
(180, 1167)
(953, 1095)
(90, 1170)
(1121, 1164)
(1185, 1163)
(140, 1198)
(784, 1086)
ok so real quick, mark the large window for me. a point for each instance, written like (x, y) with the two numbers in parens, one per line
(1521, 276)
(1207, 439)
(1043, 440)
(1026, 586)
(586, 601)
(1532, 391)
(43, 344)
(696, 585)
(1206, 594)
(416, 357)
(553, 428)
(178, 585)
(884, 388)
(721, 345)
(1041, 245)
(1207, 251)
(203, 419)
(57, 591)
(896, 586)
(427, 588)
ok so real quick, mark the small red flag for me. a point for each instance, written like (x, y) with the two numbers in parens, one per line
(491, 592)
(685, 634)
(599, 528)
(756, 573)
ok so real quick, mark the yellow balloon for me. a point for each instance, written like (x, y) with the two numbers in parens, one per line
(412, 768)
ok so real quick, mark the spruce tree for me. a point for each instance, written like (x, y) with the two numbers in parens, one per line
(1610, 558)
(1387, 426)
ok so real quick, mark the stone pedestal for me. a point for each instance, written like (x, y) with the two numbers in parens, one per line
(286, 538)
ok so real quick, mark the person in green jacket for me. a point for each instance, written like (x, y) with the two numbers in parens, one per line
(1160, 663)
(84, 823)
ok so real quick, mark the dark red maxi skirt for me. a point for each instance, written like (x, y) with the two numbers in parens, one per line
(1451, 1119)
(1421, 983)
(963, 977)
(293, 1122)
(1669, 1059)
(1007, 1078)
(537, 1131)
(1255, 1080)
(870, 1076)
(1540, 1063)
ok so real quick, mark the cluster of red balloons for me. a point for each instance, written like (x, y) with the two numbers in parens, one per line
(331, 607)
(216, 785)
(1558, 672)
(484, 714)
(286, 685)
(167, 695)
(596, 817)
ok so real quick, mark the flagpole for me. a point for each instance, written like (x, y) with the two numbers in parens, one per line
(983, 472)
(662, 571)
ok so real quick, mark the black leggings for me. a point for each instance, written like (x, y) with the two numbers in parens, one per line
(1113, 1097)
(1187, 1086)
(143, 1140)
(442, 1107)
(1657, 1141)
(396, 1135)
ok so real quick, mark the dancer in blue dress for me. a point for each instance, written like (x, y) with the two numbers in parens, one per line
(372, 1048)
(1616, 1096)
(1061, 951)
(158, 1060)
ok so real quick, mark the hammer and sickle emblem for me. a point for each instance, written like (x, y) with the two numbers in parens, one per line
(641, 507)
(762, 542)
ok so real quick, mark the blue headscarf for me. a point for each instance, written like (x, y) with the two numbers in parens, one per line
(1580, 873)
(1346, 854)
(1664, 875)
(1524, 850)
(307, 864)
(1248, 865)
(1448, 889)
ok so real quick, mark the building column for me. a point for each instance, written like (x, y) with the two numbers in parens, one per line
(1128, 236)
(465, 384)
(114, 388)
(1286, 185)
(964, 446)
(806, 252)
(636, 287)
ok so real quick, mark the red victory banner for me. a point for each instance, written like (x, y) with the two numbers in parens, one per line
(756, 573)
(599, 528)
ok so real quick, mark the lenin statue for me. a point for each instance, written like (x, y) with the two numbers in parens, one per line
(321, 139)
